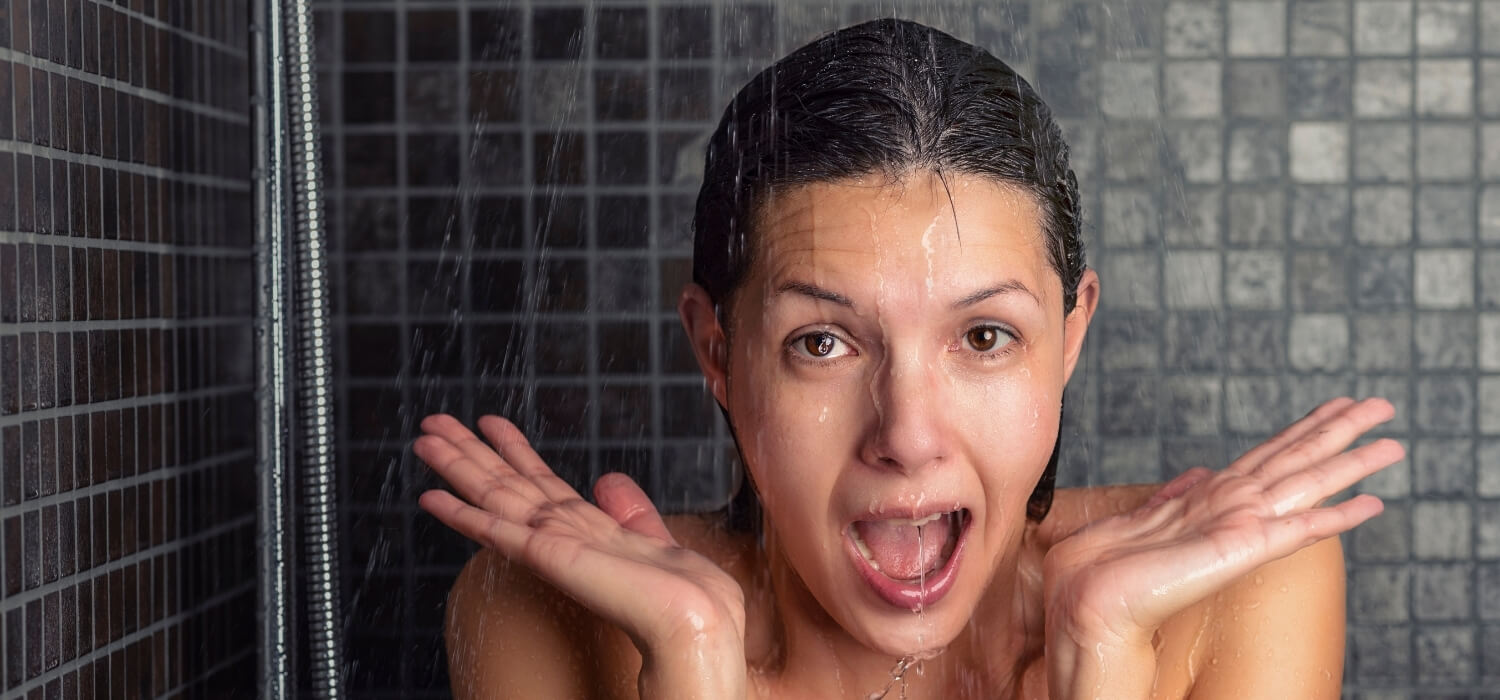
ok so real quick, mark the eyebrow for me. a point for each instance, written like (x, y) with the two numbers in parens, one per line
(1006, 287)
(814, 291)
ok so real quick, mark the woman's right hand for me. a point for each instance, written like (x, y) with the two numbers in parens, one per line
(684, 613)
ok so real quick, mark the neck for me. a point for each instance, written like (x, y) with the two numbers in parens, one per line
(804, 652)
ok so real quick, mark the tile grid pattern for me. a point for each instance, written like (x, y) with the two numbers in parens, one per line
(127, 521)
(1287, 201)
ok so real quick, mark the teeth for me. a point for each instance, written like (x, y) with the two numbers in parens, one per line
(918, 523)
(864, 549)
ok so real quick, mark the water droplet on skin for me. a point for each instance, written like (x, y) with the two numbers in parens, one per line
(823, 416)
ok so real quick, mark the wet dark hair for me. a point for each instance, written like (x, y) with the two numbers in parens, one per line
(884, 97)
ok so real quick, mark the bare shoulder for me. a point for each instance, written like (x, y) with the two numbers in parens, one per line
(511, 634)
(1278, 632)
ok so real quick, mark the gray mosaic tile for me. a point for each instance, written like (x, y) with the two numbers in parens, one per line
(1488, 591)
(1256, 216)
(1445, 404)
(1382, 341)
(1256, 89)
(1382, 152)
(1489, 87)
(1255, 343)
(1380, 593)
(1128, 89)
(1251, 404)
(1397, 390)
(1489, 405)
(1192, 341)
(1129, 218)
(1441, 529)
(1489, 342)
(1318, 342)
(1445, 654)
(1442, 467)
(1489, 27)
(1255, 279)
(1319, 151)
(1445, 87)
(1190, 405)
(1487, 529)
(1195, 152)
(1387, 538)
(1130, 460)
(1445, 340)
(1489, 214)
(1445, 214)
(1392, 482)
(1382, 278)
(1306, 392)
(1257, 28)
(1320, 89)
(1193, 29)
(1133, 280)
(1380, 655)
(1489, 279)
(1445, 27)
(1487, 464)
(1382, 88)
(1127, 341)
(1255, 153)
(1318, 281)
(1382, 215)
(1444, 278)
(1445, 151)
(1181, 454)
(1192, 89)
(1441, 591)
(1320, 29)
(1192, 218)
(1132, 152)
(1320, 215)
(1192, 280)
(1382, 27)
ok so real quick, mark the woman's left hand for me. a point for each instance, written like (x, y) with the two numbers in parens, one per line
(1111, 584)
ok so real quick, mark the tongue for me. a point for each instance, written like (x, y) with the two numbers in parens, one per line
(899, 551)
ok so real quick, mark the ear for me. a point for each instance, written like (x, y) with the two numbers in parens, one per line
(707, 338)
(1076, 325)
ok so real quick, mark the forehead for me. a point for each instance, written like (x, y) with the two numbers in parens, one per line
(943, 226)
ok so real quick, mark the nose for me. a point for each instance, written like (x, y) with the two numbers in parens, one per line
(908, 430)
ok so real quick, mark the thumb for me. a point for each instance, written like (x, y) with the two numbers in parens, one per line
(622, 499)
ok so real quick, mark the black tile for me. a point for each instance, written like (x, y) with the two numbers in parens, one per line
(371, 160)
(499, 159)
(561, 221)
(750, 30)
(564, 286)
(496, 286)
(432, 223)
(7, 98)
(369, 36)
(686, 32)
(685, 94)
(559, 158)
(20, 95)
(557, 33)
(687, 411)
(439, 162)
(498, 223)
(620, 95)
(624, 221)
(624, 347)
(369, 97)
(494, 96)
(495, 35)
(432, 35)
(622, 158)
(621, 33)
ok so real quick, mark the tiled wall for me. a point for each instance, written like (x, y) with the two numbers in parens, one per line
(1287, 201)
(127, 514)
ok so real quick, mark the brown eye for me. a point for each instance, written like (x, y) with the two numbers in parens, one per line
(983, 338)
(818, 344)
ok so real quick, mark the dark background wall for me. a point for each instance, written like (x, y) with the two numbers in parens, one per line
(127, 514)
(1288, 201)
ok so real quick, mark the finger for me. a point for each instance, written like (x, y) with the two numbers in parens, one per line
(1293, 532)
(1290, 434)
(466, 441)
(622, 499)
(1179, 485)
(516, 450)
(1311, 486)
(1329, 438)
(506, 491)
(482, 526)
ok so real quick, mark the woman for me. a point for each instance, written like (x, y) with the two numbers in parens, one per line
(889, 298)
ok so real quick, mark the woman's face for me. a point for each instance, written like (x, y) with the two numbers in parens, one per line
(897, 352)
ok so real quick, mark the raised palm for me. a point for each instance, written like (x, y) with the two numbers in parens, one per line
(617, 559)
(1123, 576)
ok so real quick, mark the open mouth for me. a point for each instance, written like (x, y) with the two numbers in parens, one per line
(910, 562)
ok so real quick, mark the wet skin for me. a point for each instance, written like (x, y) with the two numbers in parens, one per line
(899, 348)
